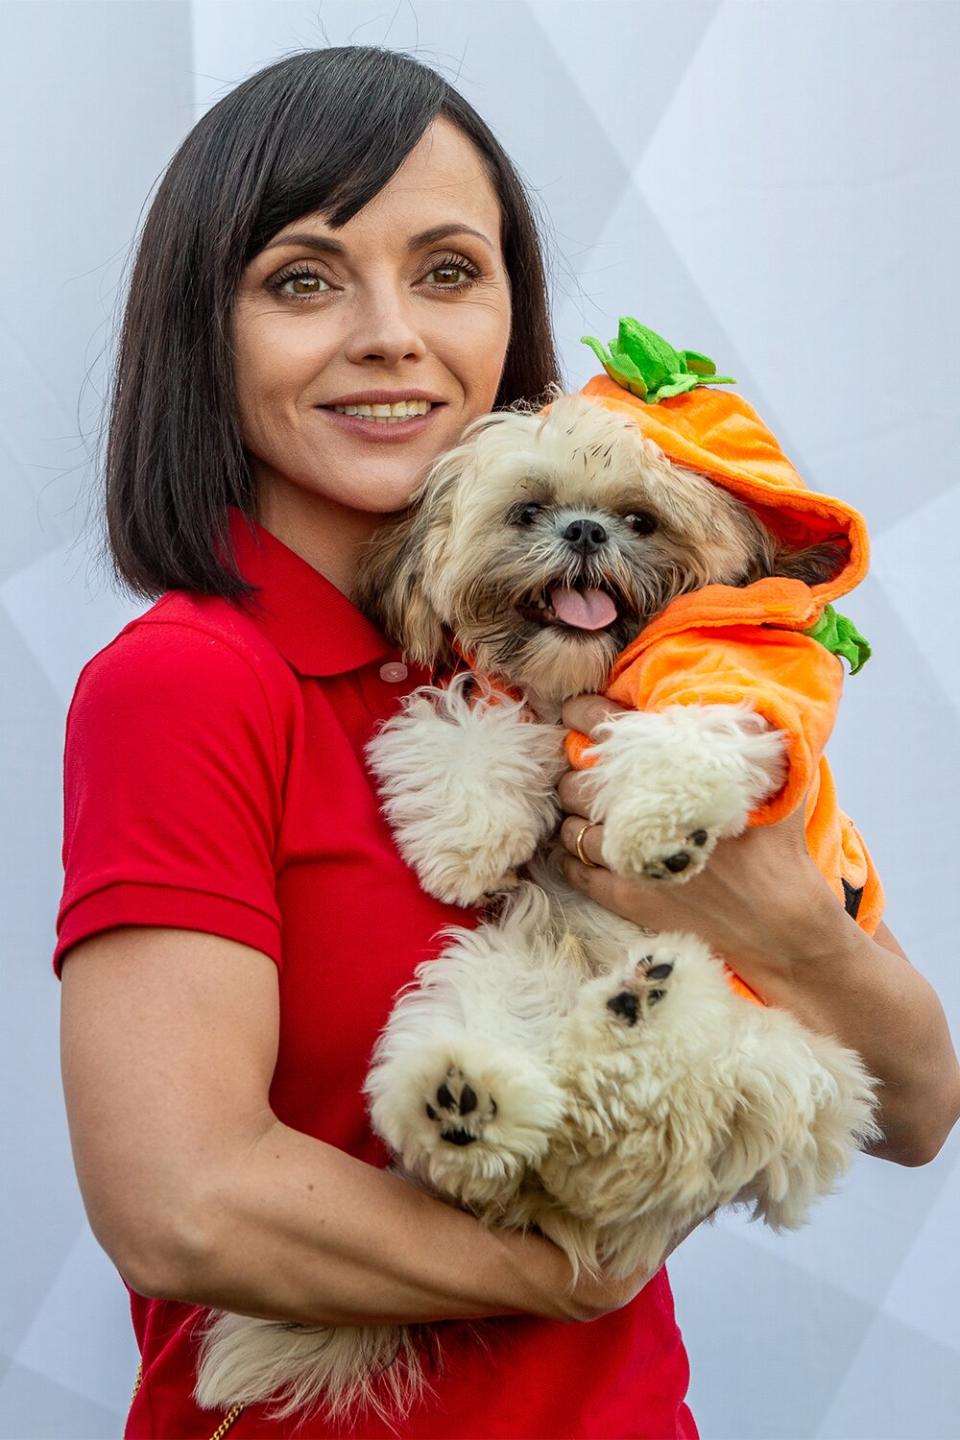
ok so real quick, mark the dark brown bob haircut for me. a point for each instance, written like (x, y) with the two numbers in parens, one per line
(322, 130)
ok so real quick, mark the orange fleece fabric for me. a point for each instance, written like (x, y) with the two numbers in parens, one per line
(729, 645)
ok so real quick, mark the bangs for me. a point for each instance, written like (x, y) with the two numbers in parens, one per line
(334, 137)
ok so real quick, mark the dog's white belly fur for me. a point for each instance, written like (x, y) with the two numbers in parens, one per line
(556, 1067)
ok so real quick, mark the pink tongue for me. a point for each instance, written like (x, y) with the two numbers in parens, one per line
(585, 609)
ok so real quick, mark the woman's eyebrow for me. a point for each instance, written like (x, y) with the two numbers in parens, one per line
(324, 245)
(441, 232)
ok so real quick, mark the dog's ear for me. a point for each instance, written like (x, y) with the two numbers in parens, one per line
(770, 555)
(814, 564)
(392, 581)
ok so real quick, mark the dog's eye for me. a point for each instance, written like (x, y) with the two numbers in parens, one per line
(641, 523)
(525, 514)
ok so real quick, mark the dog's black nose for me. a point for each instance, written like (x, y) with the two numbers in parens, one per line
(587, 535)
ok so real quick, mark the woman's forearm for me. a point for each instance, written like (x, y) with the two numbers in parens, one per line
(296, 1229)
(199, 1193)
(867, 994)
(763, 905)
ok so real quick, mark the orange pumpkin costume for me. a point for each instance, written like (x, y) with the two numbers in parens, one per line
(729, 645)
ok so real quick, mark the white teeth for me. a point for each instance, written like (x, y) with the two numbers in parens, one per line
(399, 410)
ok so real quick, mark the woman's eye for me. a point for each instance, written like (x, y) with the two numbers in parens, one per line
(455, 273)
(525, 514)
(304, 283)
(640, 522)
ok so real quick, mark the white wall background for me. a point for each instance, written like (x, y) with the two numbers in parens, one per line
(773, 183)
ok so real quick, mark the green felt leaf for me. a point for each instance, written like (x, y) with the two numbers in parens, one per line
(680, 386)
(598, 348)
(619, 367)
(653, 355)
(648, 366)
(624, 361)
(838, 634)
(699, 364)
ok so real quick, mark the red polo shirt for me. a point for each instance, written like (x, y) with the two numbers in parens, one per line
(215, 781)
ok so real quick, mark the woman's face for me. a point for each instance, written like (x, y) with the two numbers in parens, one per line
(409, 301)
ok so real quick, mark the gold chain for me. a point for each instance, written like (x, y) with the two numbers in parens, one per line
(221, 1429)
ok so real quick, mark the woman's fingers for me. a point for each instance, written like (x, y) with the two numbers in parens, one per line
(586, 712)
(611, 891)
(574, 790)
(583, 839)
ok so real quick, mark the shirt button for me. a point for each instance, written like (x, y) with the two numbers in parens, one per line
(393, 672)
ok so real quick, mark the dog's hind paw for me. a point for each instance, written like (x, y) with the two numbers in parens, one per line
(460, 1112)
(643, 986)
(465, 1119)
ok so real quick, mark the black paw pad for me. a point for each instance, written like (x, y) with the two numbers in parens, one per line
(678, 862)
(660, 972)
(625, 1005)
(457, 1137)
(445, 1098)
(468, 1100)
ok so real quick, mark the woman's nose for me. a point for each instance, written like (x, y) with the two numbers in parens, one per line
(384, 330)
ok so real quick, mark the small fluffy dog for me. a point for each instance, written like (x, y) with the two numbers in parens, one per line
(559, 1067)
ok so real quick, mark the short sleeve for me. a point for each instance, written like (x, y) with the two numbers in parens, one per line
(173, 784)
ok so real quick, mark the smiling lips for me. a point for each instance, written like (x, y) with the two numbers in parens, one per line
(378, 415)
(399, 410)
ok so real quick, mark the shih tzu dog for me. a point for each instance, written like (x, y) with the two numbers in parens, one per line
(558, 1067)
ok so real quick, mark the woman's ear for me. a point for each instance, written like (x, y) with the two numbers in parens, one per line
(392, 583)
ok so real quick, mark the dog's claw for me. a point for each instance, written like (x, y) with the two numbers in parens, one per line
(457, 1137)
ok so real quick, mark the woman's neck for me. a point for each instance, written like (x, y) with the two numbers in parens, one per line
(328, 536)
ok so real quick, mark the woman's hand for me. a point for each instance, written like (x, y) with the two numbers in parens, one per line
(763, 905)
(597, 1295)
(761, 902)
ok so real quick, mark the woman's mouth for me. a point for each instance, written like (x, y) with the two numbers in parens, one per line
(400, 410)
(398, 420)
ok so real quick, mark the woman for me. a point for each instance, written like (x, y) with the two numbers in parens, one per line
(340, 234)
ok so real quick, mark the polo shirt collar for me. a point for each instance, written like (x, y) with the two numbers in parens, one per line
(312, 623)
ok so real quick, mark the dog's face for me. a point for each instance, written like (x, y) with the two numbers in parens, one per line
(542, 544)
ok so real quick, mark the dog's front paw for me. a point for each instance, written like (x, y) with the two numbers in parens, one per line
(636, 845)
(669, 784)
(468, 784)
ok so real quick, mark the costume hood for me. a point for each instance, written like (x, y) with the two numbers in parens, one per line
(666, 393)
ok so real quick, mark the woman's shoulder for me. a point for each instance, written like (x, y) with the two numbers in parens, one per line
(196, 638)
(188, 654)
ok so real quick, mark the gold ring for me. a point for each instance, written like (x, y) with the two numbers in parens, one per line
(578, 844)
